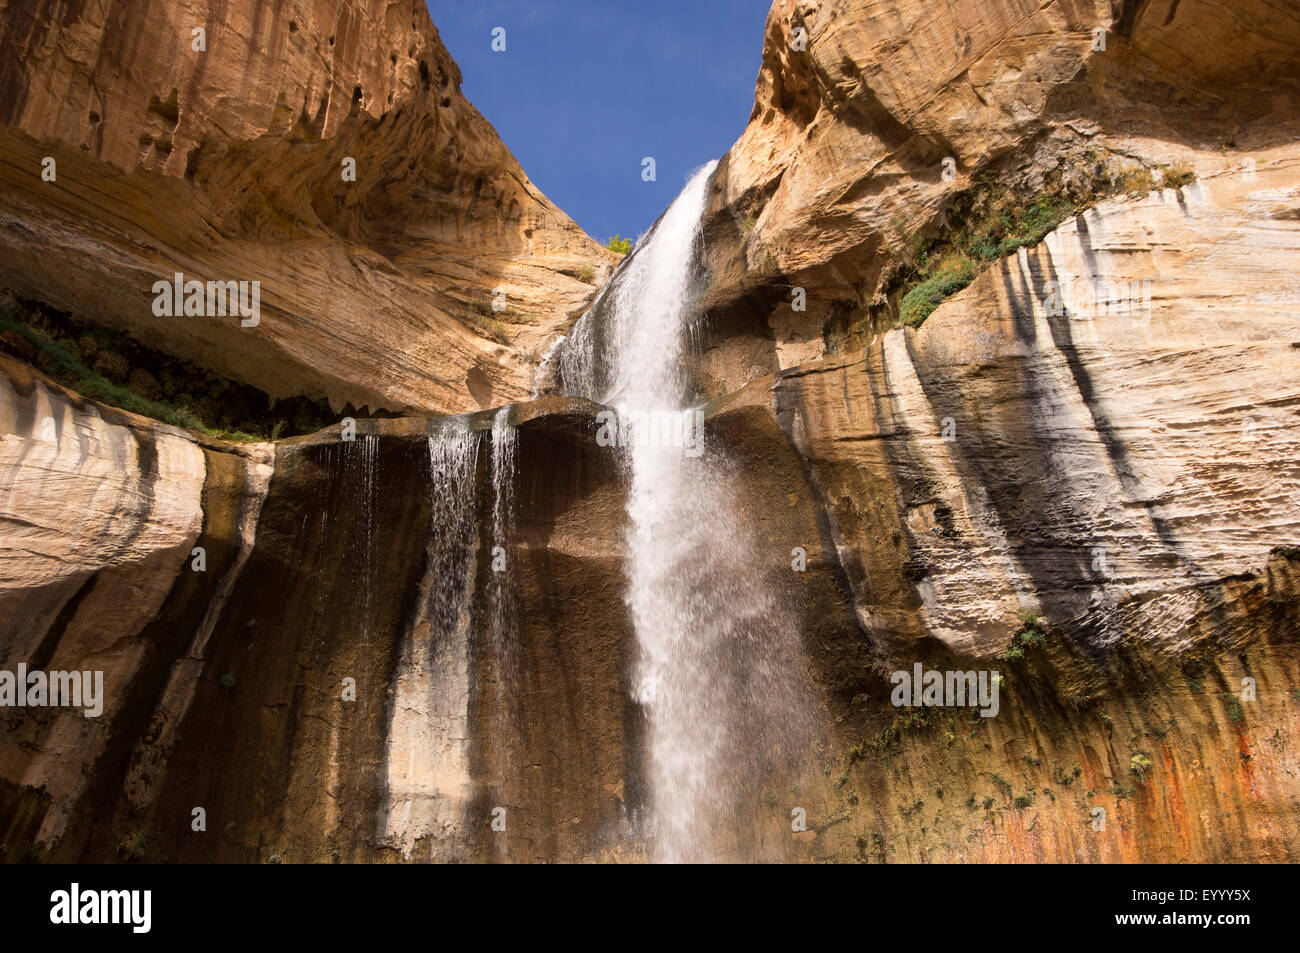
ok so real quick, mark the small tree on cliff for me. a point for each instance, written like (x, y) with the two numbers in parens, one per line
(620, 245)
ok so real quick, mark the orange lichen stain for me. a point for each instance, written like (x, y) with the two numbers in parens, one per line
(1176, 805)
(1245, 756)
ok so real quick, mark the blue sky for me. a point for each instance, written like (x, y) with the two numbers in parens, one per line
(586, 89)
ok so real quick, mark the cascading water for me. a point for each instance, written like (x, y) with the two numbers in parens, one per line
(428, 759)
(360, 460)
(720, 670)
(501, 594)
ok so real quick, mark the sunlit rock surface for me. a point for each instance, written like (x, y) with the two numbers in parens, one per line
(229, 164)
(844, 156)
(1101, 429)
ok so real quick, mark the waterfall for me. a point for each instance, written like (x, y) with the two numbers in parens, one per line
(428, 758)
(501, 588)
(719, 666)
(360, 461)
(629, 346)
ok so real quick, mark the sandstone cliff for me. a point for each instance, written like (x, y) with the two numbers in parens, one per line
(329, 560)
(228, 163)
(1079, 470)
(225, 684)
(842, 165)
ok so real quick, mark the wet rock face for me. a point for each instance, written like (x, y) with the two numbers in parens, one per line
(325, 152)
(227, 688)
(1091, 432)
(275, 688)
(1066, 425)
(102, 513)
(1078, 473)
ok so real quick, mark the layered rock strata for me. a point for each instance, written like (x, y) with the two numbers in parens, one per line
(324, 151)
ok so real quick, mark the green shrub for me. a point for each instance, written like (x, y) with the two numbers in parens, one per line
(919, 303)
(991, 225)
(1032, 634)
(620, 245)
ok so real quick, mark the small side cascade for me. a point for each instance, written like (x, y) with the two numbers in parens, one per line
(359, 463)
(502, 596)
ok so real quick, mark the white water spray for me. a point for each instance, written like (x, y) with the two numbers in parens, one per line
(719, 665)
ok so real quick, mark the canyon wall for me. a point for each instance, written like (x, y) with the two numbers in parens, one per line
(226, 688)
(1125, 468)
(225, 682)
(324, 150)
(903, 122)
(1098, 433)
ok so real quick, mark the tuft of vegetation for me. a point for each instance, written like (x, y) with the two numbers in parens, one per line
(1139, 765)
(1023, 801)
(619, 245)
(988, 221)
(587, 274)
(1063, 778)
(949, 277)
(1138, 181)
(1177, 174)
(942, 266)
(227, 681)
(134, 846)
(484, 320)
(1032, 634)
(1235, 714)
